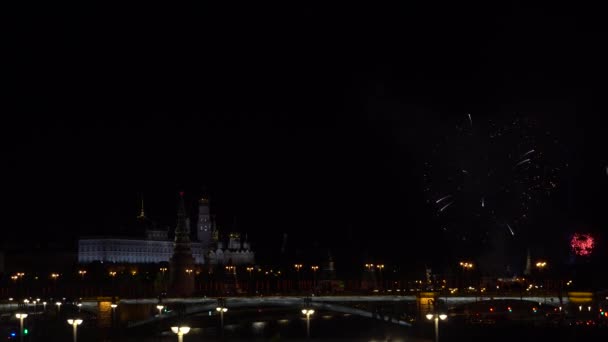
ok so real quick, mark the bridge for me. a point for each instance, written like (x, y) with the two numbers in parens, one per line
(339, 304)
(138, 312)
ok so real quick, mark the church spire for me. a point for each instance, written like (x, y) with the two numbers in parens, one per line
(182, 262)
(182, 230)
(142, 213)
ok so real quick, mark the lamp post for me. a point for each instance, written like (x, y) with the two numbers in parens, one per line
(21, 317)
(541, 266)
(43, 306)
(466, 266)
(113, 306)
(75, 322)
(436, 317)
(380, 268)
(58, 306)
(221, 310)
(160, 309)
(314, 269)
(297, 267)
(163, 271)
(180, 331)
(308, 313)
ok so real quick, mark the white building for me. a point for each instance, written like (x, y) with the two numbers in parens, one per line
(156, 247)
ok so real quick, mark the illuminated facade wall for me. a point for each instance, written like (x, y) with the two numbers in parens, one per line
(130, 251)
(133, 251)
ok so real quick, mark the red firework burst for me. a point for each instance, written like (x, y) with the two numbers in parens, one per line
(582, 244)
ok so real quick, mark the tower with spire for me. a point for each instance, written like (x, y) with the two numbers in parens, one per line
(204, 227)
(182, 261)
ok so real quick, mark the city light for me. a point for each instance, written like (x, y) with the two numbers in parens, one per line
(436, 317)
(21, 317)
(308, 313)
(180, 332)
(221, 309)
(466, 265)
(75, 322)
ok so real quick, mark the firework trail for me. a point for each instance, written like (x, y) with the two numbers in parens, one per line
(482, 171)
(442, 198)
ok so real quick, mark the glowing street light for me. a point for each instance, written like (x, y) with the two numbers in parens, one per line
(82, 273)
(466, 265)
(180, 331)
(21, 317)
(221, 310)
(43, 306)
(436, 317)
(75, 322)
(58, 306)
(369, 266)
(160, 309)
(113, 306)
(541, 264)
(308, 313)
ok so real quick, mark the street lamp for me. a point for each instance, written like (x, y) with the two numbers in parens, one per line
(221, 310)
(436, 317)
(113, 306)
(541, 266)
(466, 266)
(314, 269)
(58, 306)
(82, 273)
(369, 266)
(75, 322)
(21, 317)
(160, 309)
(180, 331)
(43, 306)
(380, 268)
(308, 313)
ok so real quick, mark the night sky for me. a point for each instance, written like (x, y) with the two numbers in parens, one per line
(314, 121)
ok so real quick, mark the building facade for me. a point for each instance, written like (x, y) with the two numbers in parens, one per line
(155, 246)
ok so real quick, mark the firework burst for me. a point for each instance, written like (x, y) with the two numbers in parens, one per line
(491, 173)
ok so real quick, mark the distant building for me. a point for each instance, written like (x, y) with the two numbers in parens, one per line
(155, 246)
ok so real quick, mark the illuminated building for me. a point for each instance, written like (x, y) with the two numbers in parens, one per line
(155, 246)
